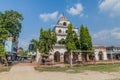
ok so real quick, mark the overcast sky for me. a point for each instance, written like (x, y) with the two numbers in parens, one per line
(102, 17)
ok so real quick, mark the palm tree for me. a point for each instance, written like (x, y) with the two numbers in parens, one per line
(36, 43)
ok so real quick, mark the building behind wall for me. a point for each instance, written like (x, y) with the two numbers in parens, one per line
(11, 45)
(100, 52)
(107, 52)
(31, 49)
(8, 45)
(59, 52)
(115, 52)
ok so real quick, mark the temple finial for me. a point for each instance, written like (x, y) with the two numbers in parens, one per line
(63, 14)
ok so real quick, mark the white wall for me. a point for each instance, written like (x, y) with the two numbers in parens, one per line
(105, 55)
(97, 56)
(63, 30)
(67, 22)
(60, 37)
(61, 50)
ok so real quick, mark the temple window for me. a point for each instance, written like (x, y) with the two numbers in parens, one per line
(59, 31)
(64, 24)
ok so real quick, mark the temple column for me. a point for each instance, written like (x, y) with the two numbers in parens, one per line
(51, 57)
(104, 56)
(96, 56)
(62, 58)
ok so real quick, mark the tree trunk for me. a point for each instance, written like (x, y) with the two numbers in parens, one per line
(87, 57)
(71, 57)
(83, 58)
(0, 59)
(6, 62)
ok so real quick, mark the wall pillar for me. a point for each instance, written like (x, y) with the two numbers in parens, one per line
(80, 57)
(62, 58)
(51, 57)
(105, 56)
(96, 56)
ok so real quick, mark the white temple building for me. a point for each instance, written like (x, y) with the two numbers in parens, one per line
(60, 53)
(61, 28)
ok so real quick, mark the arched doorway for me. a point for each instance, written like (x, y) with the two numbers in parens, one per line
(75, 57)
(66, 57)
(57, 56)
(100, 55)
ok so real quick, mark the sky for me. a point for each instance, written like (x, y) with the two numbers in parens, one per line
(102, 17)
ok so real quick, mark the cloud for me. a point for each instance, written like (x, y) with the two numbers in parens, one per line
(49, 16)
(77, 9)
(112, 7)
(107, 37)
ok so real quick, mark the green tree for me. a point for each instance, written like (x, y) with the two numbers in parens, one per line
(62, 41)
(83, 38)
(76, 40)
(89, 39)
(11, 21)
(46, 41)
(10, 25)
(22, 53)
(36, 43)
(2, 50)
(3, 34)
(3, 54)
(89, 42)
(70, 43)
(85, 41)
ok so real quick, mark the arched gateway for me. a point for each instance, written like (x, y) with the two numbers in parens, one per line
(57, 56)
(66, 57)
(100, 54)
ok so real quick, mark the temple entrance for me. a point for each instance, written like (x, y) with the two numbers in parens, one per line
(57, 56)
(117, 56)
(75, 57)
(100, 55)
(66, 57)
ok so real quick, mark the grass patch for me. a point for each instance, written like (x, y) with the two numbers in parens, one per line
(102, 67)
(78, 68)
(4, 69)
(51, 69)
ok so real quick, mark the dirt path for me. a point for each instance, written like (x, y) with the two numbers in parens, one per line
(28, 73)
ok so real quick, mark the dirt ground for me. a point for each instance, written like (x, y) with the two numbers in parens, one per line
(27, 72)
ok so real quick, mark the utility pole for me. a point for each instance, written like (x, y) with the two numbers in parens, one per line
(71, 57)
(112, 57)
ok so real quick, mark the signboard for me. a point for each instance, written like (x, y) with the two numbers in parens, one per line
(8, 46)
